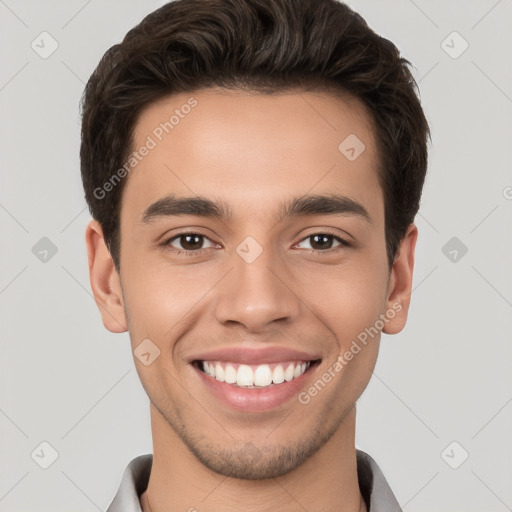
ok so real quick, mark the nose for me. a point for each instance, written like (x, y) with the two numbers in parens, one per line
(257, 294)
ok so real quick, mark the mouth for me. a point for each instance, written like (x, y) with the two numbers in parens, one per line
(255, 388)
(259, 376)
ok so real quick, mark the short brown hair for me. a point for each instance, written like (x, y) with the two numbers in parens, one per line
(265, 46)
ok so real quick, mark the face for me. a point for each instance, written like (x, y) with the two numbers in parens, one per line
(253, 258)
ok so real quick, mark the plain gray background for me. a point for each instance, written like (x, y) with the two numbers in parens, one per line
(442, 389)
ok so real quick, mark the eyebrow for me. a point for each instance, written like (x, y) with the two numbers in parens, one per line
(310, 205)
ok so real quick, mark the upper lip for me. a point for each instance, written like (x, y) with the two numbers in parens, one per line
(244, 355)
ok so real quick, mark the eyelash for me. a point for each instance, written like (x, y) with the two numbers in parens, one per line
(166, 243)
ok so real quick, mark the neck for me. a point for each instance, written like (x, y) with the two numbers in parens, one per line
(178, 481)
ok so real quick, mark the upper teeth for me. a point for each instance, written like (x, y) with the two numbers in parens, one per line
(261, 375)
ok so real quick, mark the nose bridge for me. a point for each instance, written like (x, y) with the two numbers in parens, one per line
(256, 291)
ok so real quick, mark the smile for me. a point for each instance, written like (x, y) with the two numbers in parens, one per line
(254, 376)
(253, 380)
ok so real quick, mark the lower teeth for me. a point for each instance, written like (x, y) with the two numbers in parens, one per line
(253, 387)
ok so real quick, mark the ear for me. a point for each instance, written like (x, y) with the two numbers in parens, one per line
(105, 282)
(400, 282)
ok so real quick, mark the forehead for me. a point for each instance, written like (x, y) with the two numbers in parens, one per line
(250, 150)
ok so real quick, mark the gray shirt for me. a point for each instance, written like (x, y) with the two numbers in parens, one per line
(375, 490)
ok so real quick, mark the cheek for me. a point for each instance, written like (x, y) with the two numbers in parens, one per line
(161, 301)
(346, 298)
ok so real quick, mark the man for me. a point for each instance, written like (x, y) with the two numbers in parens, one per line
(253, 168)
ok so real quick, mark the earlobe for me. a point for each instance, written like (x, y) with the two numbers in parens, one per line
(400, 283)
(104, 279)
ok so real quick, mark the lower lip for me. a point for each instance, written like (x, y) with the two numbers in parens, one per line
(255, 400)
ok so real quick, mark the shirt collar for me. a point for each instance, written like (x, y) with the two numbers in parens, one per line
(375, 490)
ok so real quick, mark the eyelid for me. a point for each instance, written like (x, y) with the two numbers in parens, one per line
(336, 232)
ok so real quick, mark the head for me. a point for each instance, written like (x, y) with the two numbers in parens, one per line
(254, 109)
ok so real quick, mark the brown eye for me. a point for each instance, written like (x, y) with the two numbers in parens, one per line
(322, 242)
(192, 242)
